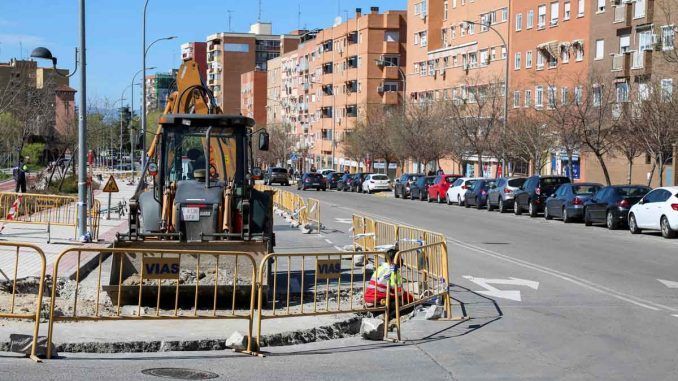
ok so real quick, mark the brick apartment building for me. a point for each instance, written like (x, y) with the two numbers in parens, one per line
(158, 87)
(197, 51)
(450, 55)
(229, 55)
(253, 95)
(21, 75)
(321, 89)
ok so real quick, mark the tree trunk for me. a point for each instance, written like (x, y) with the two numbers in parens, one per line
(629, 170)
(660, 158)
(604, 168)
(480, 165)
(569, 165)
(649, 180)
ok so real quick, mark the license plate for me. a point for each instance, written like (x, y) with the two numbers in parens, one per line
(190, 214)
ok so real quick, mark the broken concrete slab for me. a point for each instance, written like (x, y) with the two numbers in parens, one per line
(24, 344)
(372, 328)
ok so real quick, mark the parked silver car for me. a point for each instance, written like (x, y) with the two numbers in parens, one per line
(501, 196)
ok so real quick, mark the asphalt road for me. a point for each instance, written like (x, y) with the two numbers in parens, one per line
(547, 300)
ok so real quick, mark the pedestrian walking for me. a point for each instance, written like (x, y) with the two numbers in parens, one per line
(20, 178)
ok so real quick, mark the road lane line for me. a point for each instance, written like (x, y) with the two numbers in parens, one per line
(328, 241)
(569, 278)
(558, 274)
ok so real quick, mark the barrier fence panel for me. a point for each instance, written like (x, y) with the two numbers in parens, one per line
(20, 300)
(313, 215)
(147, 284)
(32, 208)
(425, 276)
(311, 284)
(360, 233)
(385, 233)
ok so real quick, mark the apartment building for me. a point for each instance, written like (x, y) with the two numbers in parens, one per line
(273, 92)
(634, 40)
(333, 77)
(196, 51)
(21, 78)
(454, 49)
(253, 95)
(229, 55)
(158, 87)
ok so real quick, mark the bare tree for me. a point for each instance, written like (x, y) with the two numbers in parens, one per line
(419, 132)
(280, 145)
(530, 137)
(372, 135)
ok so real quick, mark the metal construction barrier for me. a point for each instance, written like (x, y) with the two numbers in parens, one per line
(363, 235)
(8, 303)
(42, 209)
(313, 214)
(312, 284)
(369, 233)
(157, 284)
(425, 277)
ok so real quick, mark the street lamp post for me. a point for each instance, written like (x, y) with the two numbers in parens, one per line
(81, 56)
(131, 133)
(144, 51)
(506, 90)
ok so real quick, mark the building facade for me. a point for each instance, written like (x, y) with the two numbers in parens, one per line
(196, 51)
(158, 87)
(253, 92)
(229, 55)
(333, 78)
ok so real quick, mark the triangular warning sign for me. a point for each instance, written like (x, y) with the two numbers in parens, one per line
(111, 186)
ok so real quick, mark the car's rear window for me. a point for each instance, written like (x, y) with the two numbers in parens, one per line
(450, 179)
(585, 189)
(430, 180)
(278, 170)
(552, 181)
(380, 177)
(315, 175)
(470, 182)
(516, 182)
(632, 191)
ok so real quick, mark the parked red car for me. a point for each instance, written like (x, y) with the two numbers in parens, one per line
(441, 184)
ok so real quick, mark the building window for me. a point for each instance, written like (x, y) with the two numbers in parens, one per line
(552, 97)
(538, 97)
(622, 91)
(564, 54)
(668, 37)
(528, 98)
(600, 49)
(540, 60)
(553, 61)
(484, 57)
(639, 9)
(601, 6)
(392, 36)
(503, 52)
(493, 54)
(541, 17)
(516, 61)
(390, 86)
(471, 28)
(566, 11)
(578, 93)
(530, 19)
(564, 96)
(667, 89)
(554, 14)
(445, 10)
(453, 32)
(423, 38)
(528, 59)
(504, 14)
(580, 9)
(519, 22)
(416, 38)
(597, 95)
(579, 52)
(516, 99)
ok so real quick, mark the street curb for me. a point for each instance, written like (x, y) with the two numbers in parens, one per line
(338, 330)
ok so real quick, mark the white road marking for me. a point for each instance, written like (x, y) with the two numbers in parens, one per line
(558, 274)
(675, 315)
(344, 220)
(328, 241)
(505, 294)
(339, 248)
(669, 283)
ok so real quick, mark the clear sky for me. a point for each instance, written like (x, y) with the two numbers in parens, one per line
(114, 30)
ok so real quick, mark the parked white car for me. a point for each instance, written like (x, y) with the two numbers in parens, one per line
(457, 191)
(658, 210)
(376, 182)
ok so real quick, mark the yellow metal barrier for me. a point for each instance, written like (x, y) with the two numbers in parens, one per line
(47, 210)
(210, 280)
(312, 284)
(362, 237)
(8, 304)
(313, 215)
(425, 274)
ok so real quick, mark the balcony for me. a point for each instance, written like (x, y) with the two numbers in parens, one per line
(390, 98)
(621, 63)
(623, 15)
(391, 47)
(390, 72)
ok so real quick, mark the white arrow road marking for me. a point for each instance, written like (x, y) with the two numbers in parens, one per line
(669, 283)
(344, 220)
(504, 294)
